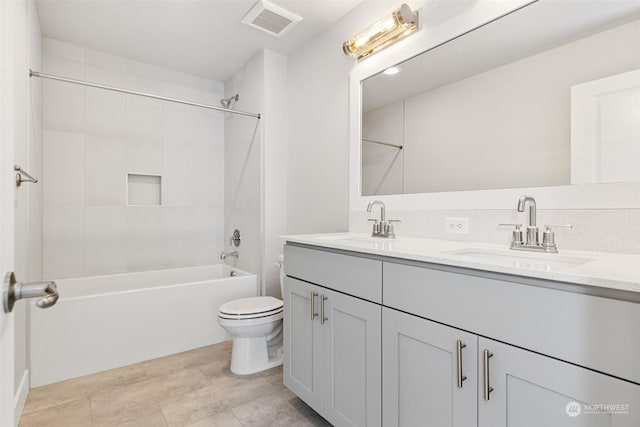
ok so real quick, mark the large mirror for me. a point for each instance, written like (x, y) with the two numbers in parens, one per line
(548, 95)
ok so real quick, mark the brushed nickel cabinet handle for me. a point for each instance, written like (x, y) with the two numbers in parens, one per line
(459, 346)
(486, 355)
(322, 317)
(313, 305)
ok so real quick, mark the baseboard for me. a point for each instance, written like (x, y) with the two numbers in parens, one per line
(21, 397)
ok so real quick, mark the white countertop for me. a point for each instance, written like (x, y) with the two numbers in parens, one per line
(605, 270)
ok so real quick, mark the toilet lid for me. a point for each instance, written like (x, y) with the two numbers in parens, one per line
(253, 305)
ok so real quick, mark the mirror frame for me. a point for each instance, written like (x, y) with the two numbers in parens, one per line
(584, 196)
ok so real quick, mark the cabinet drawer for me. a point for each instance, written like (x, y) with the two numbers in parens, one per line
(360, 277)
(593, 332)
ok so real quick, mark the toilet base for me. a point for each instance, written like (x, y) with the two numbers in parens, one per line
(251, 355)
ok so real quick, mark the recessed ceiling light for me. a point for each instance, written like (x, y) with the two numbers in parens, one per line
(391, 71)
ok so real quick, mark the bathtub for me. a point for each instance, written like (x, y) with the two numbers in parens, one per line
(105, 322)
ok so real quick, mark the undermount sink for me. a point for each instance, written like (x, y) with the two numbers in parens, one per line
(547, 262)
(376, 242)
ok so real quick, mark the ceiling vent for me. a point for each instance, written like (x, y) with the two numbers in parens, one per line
(271, 18)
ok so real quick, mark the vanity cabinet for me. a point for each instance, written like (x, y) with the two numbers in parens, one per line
(405, 343)
(435, 375)
(421, 361)
(529, 389)
(332, 340)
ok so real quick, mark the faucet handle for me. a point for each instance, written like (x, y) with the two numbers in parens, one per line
(516, 235)
(548, 226)
(373, 219)
(394, 220)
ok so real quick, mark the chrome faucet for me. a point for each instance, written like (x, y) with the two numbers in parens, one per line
(532, 228)
(382, 227)
(532, 242)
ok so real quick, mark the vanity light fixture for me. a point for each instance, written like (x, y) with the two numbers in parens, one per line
(388, 30)
(391, 71)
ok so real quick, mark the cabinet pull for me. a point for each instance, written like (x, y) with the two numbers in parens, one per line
(313, 305)
(486, 354)
(459, 346)
(322, 318)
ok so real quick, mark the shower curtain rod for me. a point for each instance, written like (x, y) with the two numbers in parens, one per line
(133, 92)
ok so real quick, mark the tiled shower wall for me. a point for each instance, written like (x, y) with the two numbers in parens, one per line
(93, 138)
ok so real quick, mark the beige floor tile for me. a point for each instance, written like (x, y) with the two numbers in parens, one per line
(223, 419)
(224, 393)
(148, 417)
(76, 413)
(143, 395)
(188, 359)
(273, 409)
(56, 394)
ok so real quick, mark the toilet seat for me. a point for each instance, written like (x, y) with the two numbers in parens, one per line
(251, 308)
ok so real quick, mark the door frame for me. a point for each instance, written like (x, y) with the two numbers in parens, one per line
(8, 13)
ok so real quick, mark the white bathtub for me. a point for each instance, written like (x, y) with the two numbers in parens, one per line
(104, 322)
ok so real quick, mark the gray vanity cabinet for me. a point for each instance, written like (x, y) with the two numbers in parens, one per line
(332, 340)
(303, 340)
(421, 361)
(532, 390)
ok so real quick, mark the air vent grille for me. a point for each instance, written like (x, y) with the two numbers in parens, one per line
(271, 18)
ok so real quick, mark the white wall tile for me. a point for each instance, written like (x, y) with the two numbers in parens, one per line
(105, 113)
(105, 240)
(63, 168)
(144, 158)
(96, 137)
(210, 130)
(62, 49)
(145, 248)
(106, 76)
(144, 119)
(63, 105)
(180, 125)
(105, 172)
(179, 236)
(209, 174)
(210, 239)
(179, 177)
(63, 242)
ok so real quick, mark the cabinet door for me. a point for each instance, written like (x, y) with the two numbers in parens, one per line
(420, 373)
(531, 390)
(351, 348)
(302, 371)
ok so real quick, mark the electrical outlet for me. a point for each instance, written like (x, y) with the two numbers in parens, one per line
(456, 225)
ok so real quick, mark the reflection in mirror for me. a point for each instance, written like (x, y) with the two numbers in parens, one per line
(548, 95)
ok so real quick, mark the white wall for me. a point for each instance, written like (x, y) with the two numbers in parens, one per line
(318, 141)
(255, 184)
(243, 159)
(274, 168)
(93, 138)
(318, 125)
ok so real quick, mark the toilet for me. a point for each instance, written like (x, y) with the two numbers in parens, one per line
(256, 327)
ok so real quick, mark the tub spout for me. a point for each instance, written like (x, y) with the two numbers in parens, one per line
(225, 255)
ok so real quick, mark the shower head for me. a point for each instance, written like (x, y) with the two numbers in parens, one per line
(226, 102)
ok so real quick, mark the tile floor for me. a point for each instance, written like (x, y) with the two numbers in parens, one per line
(194, 388)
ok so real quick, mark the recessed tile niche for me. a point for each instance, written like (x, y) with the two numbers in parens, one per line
(144, 190)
